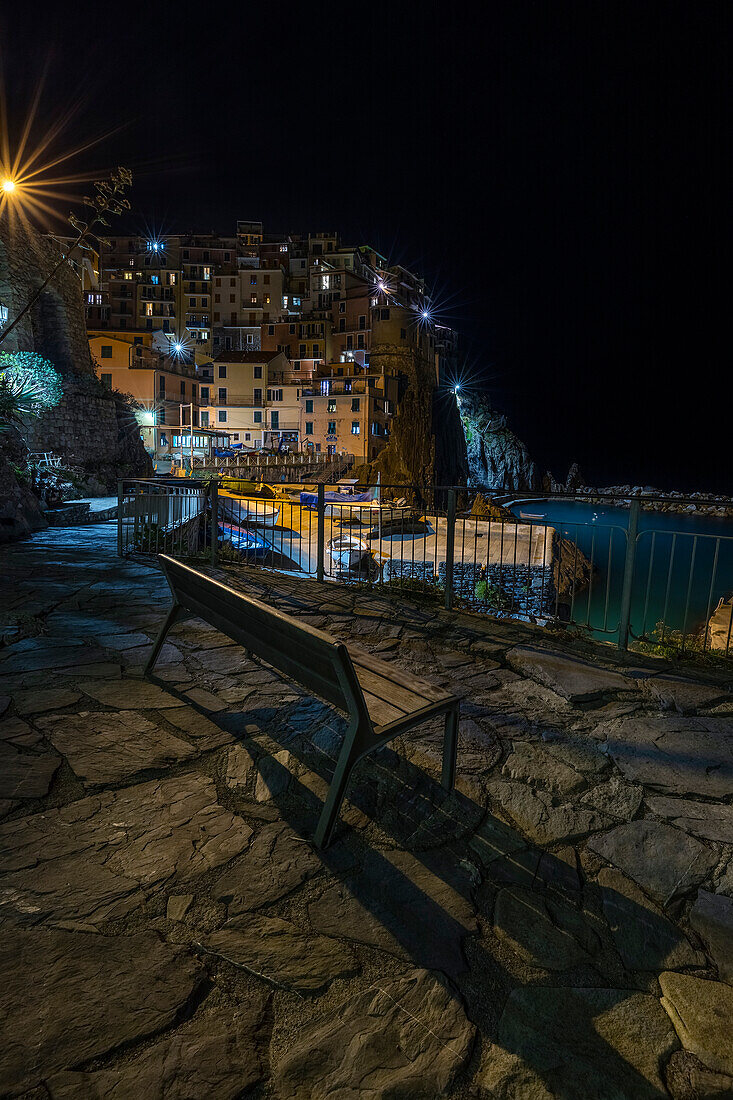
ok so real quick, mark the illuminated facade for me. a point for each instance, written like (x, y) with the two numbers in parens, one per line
(317, 340)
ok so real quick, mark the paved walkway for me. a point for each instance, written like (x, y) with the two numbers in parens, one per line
(559, 927)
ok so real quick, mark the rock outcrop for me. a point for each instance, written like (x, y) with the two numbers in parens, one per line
(20, 511)
(92, 428)
(426, 445)
(497, 458)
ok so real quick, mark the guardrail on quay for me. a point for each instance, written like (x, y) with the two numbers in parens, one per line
(623, 573)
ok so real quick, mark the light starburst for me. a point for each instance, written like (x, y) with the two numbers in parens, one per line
(34, 156)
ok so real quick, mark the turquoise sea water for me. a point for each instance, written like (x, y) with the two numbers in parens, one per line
(684, 564)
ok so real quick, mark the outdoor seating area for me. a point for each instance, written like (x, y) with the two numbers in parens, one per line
(381, 702)
(559, 924)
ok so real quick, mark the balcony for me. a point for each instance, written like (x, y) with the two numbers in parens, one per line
(232, 402)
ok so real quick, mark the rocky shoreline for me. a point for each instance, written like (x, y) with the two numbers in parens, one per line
(654, 500)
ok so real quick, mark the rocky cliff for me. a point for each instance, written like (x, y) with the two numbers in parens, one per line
(20, 511)
(91, 429)
(426, 445)
(497, 458)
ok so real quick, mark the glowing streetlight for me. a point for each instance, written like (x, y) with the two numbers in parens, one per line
(178, 348)
(8, 186)
(456, 389)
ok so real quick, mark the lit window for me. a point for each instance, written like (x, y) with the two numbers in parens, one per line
(267, 299)
(128, 276)
(283, 248)
(332, 406)
(154, 279)
(149, 309)
(355, 428)
(253, 299)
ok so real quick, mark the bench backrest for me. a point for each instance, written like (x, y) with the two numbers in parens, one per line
(308, 656)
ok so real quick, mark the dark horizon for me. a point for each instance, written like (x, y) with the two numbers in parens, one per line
(562, 177)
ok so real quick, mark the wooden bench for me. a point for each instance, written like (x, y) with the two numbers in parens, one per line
(380, 700)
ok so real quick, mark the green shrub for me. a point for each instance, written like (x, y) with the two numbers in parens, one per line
(28, 385)
(671, 644)
(493, 595)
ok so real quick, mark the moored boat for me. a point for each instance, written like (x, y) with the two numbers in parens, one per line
(347, 551)
(247, 502)
(242, 539)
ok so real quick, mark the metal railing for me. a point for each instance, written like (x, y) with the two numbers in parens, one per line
(634, 578)
(158, 517)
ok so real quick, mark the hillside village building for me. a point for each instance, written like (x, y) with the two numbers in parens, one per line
(296, 342)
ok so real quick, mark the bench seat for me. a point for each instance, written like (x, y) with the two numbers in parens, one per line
(381, 700)
(390, 702)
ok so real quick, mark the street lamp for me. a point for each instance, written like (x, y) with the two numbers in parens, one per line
(8, 186)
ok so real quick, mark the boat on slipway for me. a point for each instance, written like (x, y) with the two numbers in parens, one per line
(347, 551)
(247, 502)
(244, 540)
(347, 507)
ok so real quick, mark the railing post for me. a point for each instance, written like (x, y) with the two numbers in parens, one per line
(214, 491)
(321, 532)
(450, 543)
(625, 619)
(120, 501)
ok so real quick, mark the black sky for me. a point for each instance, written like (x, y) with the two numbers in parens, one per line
(560, 171)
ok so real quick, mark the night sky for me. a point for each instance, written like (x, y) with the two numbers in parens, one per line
(560, 172)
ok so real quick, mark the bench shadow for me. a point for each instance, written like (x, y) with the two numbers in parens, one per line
(450, 857)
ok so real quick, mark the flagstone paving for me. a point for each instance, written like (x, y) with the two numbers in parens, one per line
(560, 926)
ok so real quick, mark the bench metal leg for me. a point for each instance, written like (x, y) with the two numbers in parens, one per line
(334, 798)
(174, 615)
(450, 744)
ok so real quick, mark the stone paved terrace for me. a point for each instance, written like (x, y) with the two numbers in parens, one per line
(559, 927)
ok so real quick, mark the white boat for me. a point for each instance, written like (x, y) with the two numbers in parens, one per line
(257, 510)
(346, 551)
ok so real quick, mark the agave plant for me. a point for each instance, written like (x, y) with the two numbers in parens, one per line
(28, 385)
